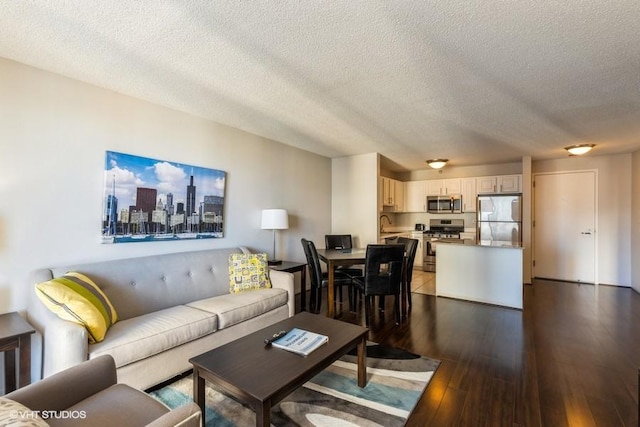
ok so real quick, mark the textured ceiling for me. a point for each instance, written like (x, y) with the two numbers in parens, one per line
(475, 81)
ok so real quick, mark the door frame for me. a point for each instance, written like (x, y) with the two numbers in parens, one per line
(595, 225)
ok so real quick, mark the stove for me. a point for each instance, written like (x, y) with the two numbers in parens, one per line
(443, 231)
(445, 228)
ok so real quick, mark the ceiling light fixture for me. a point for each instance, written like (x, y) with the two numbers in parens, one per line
(579, 149)
(437, 163)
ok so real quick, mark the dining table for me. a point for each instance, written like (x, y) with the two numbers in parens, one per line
(356, 256)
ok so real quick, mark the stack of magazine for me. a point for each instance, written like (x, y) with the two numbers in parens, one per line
(300, 341)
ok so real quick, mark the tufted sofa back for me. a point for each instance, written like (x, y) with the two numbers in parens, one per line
(142, 285)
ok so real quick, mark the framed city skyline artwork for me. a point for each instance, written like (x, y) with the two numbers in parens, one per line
(150, 200)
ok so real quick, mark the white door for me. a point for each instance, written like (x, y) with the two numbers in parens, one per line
(564, 226)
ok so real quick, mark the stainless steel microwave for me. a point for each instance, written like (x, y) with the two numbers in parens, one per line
(444, 204)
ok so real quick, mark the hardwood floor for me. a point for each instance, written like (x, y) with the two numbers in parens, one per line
(570, 358)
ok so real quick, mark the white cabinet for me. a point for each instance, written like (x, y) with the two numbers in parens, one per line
(443, 187)
(499, 184)
(392, 194)
(486, 184)
(509, 183)
(398, 196)
(415, 196)
(388, 191)
(469, 194)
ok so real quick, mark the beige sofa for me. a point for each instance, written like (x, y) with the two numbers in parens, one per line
(89, 394)
(171, 307)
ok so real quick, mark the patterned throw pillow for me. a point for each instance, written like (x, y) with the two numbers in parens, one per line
(74, 297)
(248, 272)
(15, 414)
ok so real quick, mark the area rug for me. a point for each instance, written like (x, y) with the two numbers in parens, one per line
(395, 381)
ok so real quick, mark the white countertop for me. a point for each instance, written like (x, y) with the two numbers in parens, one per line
(395, 231)
(483, 243)
(499, 244)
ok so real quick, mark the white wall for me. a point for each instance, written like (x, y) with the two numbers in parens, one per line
(635, 221)
(354, 204)
(614, 210)
(54, 133)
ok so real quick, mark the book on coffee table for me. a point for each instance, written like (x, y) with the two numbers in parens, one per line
(300, 341)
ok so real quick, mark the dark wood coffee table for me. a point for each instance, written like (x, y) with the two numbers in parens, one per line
(260, 376)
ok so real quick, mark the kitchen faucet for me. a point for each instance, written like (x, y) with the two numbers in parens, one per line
(382, 223)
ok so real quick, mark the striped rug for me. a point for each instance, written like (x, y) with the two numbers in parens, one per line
(396, 380)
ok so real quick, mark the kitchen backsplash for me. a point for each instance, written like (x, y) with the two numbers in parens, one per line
(410, 219)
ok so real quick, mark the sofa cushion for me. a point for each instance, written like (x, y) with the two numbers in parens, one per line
(143, 336)
(248, 272)
(15, 414)
(76, 298)
(235, 308)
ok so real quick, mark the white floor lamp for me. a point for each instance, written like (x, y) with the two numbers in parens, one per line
(274, 219)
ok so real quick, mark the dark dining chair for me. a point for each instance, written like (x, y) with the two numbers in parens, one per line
(383, 271)
(320, 279)
(342, 241)
(410, 248)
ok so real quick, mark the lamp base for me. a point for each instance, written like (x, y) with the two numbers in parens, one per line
(274, 262)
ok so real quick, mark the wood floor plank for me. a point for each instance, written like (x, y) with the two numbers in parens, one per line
(569, 358)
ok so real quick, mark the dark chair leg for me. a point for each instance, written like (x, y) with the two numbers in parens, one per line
(318, 299)
(312, 300)
(396, 308)
(351, 291)
(355, 292)
(409, 293)
(381, 303)
(367, 303)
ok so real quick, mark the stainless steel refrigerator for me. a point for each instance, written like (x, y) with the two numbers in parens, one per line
(499, 218)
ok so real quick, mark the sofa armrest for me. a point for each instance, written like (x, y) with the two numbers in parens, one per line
(64, 343)
(61, 343)
(64, 389)
(188, 415)
(283, 280)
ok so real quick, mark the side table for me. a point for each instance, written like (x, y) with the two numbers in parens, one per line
(292, 267)
(15, 335)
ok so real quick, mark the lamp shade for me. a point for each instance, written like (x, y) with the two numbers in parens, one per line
(275, 219)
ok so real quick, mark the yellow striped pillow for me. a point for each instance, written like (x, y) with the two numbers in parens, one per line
(74, 297)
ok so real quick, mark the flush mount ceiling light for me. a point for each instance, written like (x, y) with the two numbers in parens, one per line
(437, 163)
(579, 149)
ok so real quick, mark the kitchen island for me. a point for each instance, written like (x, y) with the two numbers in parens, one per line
(487, 272)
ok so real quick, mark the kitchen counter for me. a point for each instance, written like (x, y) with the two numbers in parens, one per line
(395, 232)
(474, 273)
(485, 243)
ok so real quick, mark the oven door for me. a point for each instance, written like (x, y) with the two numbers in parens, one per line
(429, 255)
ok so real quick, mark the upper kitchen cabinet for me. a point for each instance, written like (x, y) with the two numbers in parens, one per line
(509, 183)
(443, 187)
(469, 194)
(392, 194)
(499, 184)
(415, 196)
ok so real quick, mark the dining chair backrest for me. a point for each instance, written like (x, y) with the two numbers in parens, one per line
(410, 248)
(338, 241)
(313, 261)
(383, 269)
